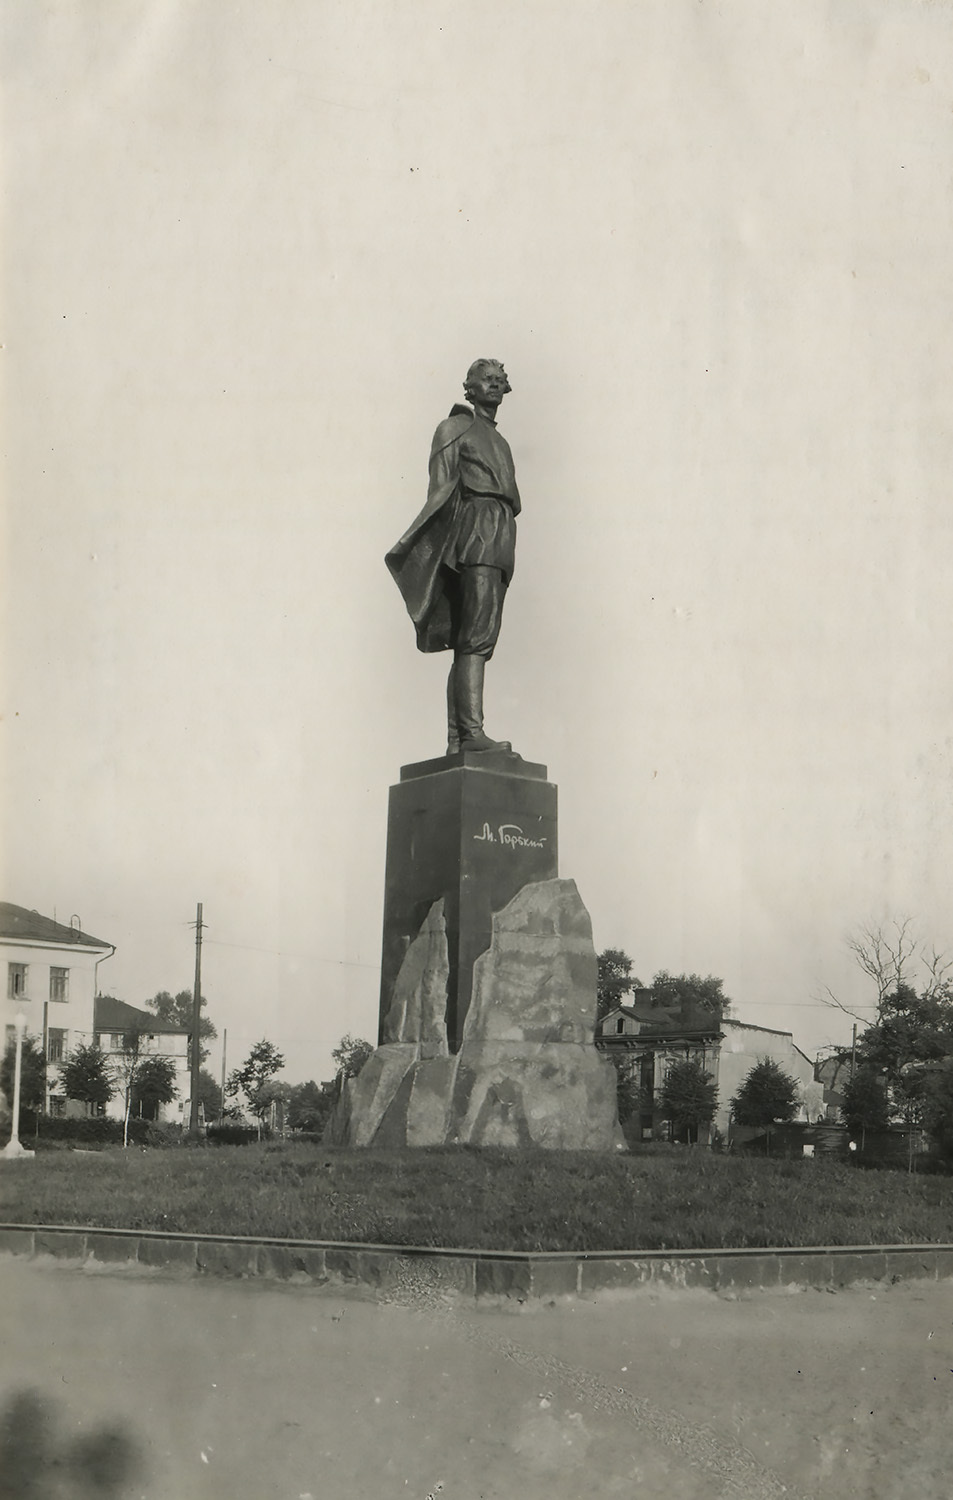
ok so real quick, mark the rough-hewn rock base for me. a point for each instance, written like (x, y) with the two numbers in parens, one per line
(527, 1073)
(513, 1094)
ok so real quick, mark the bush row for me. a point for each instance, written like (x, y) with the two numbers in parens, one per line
(96, 1132)
(49, 1131)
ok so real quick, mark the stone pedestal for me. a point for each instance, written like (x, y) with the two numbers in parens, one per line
(470, 830)
(526, 1073)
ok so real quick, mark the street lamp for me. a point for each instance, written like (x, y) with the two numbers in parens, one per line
(13, 1147)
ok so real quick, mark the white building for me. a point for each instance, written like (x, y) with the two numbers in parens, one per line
(116, 1026)
(50, 978)
(742, 1046)
(654, 1036)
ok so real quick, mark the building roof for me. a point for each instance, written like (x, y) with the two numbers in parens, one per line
(110, 1014)
(29, 926)
(666, 1022)
(750, 1026)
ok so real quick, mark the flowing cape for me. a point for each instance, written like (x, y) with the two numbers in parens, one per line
(417, 562)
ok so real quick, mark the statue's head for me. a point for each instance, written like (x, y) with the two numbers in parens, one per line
(486, 382)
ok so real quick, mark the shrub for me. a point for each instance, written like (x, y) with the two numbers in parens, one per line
(768, 1096)
(231, 1135)
(103, 1132)
(689, 1097)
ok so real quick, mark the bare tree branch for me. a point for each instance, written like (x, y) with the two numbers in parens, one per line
(829, 998)
(886, 956)
(891, 955)
(938, 967)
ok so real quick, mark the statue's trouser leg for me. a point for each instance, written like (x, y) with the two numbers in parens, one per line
(481, 594)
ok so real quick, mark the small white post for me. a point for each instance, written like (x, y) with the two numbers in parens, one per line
(13, 1147)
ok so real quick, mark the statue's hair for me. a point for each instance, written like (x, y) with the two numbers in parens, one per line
(481, 364)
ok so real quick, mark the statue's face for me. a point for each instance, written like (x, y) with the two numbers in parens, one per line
(487, 384)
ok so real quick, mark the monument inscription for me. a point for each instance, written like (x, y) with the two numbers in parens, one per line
(510, 835)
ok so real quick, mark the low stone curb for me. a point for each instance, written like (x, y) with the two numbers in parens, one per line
(519, 1276)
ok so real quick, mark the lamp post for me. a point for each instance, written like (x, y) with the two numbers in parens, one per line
(13, 1147)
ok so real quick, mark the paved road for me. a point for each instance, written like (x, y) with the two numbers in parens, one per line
(145, 1385)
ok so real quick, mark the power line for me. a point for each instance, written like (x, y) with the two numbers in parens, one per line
(340, 963)
(809, 1004)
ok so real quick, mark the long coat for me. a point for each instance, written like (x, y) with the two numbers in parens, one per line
(419, 562)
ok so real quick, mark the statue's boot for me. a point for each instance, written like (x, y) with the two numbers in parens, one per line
(453, 728)
(468, 695)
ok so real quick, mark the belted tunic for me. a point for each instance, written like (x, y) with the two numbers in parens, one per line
(469, 520)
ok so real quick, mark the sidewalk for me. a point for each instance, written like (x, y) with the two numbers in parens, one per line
(253, 1389)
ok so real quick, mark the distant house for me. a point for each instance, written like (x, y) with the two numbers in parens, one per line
(833, 1073)
(657, 1035)
(50, 978)
(115, 1024)
(744, 1045)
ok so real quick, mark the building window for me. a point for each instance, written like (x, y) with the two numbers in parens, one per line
(10, 1037)
(647, 1075)
(620, 1026)
(56, 1046)
(58, 1106)
(59, 984)
(16, 981)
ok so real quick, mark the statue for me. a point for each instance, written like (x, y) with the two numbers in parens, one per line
(454, 563)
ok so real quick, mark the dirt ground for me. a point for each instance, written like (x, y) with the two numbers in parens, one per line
(124, 1383)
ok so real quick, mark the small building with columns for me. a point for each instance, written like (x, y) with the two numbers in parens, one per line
(653, 1036)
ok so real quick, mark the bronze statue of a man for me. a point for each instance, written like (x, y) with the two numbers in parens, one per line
(454, 563)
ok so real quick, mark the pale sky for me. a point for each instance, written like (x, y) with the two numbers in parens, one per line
(250, 251)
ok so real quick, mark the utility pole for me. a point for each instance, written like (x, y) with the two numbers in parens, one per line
(853, 1052)
(196, 1021)
(221, 1113)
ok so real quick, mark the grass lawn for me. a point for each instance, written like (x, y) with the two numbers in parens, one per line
(665, 1199)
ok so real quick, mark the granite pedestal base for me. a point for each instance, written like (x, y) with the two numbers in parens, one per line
(469, 830)
(526, 1073)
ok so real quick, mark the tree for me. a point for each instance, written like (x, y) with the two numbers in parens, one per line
(350, 1054)
(865, 1105)
(254, 1078)
(309, 1105)
(891, 955)
(686, 991)
(615, 980)
(87, 1076)
(908, 1044)
(153, 1084)
(32, 1073)
(628, 1089)
(176, 1010)
(767, 1097)
(691, 992)
(273, 1103)
(210, 1095)
(938, 1106)
(689, 1096)
(126, 1065)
